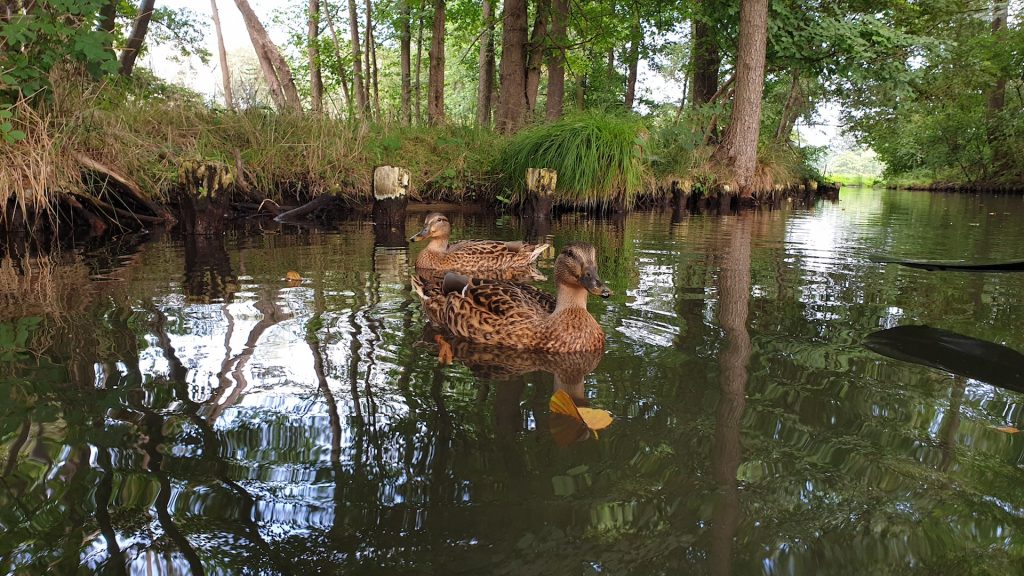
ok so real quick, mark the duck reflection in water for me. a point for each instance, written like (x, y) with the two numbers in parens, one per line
(510, 371)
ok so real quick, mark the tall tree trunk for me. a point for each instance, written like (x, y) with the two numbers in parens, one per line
(706, 60)
(136, 38)
(371, 58)
(342, 74)
(739, 147)
(316, 83)
(376, 69)
(368, 79)
(486, 86)
(404, 41)
(512, 98)
(435, 80)
(535, 59)
(225, 72)
(791, 110)
(997, 96)
(357, 65)
(275, 69)
(556, 59)
(419, 77)
(634, 62)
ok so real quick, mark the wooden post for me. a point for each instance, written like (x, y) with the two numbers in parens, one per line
(390, 186)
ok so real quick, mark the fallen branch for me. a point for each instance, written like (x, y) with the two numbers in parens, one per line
(314, 204)
(126, 214)
(130, 188)
(96, 224)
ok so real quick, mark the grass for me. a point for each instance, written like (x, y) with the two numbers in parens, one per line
(149, 131)
(599, 157)
(856, 180)
(158, 134)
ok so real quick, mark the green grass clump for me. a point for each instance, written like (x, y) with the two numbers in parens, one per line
(599, 157)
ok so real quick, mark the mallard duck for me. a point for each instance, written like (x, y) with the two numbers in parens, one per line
(469, 256)
(520, 316)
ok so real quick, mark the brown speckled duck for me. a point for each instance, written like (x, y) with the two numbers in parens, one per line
(520, 316)
(469, 256)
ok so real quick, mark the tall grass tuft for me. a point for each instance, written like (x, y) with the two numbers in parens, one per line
(599, 157)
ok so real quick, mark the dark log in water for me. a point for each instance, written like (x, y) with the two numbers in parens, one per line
(390, 188)
(954, 266)
(951, 352)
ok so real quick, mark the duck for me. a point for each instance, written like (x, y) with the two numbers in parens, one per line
(471, 256)
(521, 316)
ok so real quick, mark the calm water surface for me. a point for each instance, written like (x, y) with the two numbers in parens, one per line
(176, 409)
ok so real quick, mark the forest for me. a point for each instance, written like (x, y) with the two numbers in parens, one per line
(468, 94)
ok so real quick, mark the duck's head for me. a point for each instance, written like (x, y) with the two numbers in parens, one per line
(576, 267)
(435, 225)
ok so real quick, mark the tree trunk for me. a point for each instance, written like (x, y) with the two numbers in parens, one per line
(338, 56)
(368, 70)
(535, 59)
(404, 41)
(556, 59)
(435, 80)
(225, 72)
(316, 84)
(371, 57)
(739, 147)
(634, 62)
(276, 70)
(997, 96)
(357, 65)
(484, 89)
(791, 110)
(419, 77)
(137, 37)
(706, 61)
(108, 17)
(512, 98)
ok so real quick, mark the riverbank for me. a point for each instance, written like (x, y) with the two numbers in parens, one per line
(131, 154)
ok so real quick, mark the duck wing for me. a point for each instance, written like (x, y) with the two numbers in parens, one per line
(492, 312)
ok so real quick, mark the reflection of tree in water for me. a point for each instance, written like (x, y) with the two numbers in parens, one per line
(726, 455)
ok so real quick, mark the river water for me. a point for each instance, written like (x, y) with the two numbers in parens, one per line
(176, 408)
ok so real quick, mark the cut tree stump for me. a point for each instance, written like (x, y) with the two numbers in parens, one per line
(390, 190)
(540, 191)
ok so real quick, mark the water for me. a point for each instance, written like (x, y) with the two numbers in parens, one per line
(181, 410)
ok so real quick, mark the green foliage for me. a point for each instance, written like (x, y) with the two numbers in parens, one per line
(600, 158)
(50, 33)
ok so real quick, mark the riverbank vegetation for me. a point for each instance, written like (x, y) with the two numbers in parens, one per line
(469, 94)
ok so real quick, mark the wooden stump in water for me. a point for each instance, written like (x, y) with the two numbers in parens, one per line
(540, 192)
(390, 186)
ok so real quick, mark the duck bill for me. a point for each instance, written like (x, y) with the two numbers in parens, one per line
(593, 283)
(422, 234)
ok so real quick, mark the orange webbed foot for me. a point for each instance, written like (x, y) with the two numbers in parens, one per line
(445, 354)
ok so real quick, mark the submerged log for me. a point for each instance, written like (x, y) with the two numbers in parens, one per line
(390, 189)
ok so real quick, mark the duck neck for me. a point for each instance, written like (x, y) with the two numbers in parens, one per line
(438, 245)
(570, 297)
